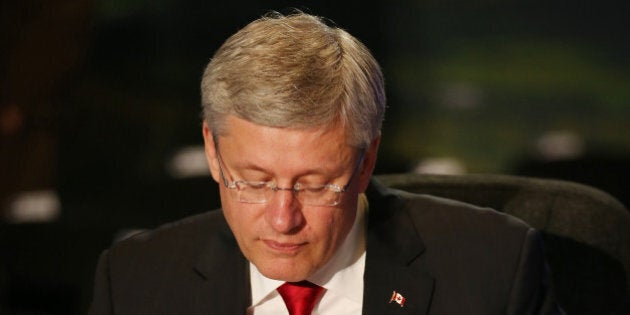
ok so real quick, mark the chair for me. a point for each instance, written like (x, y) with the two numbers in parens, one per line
(585, 230)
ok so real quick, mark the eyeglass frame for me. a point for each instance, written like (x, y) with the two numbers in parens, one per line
(272, 186)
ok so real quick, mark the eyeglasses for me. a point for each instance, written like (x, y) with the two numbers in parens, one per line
(261, 192)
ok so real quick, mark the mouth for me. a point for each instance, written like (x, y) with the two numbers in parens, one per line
(284, 248)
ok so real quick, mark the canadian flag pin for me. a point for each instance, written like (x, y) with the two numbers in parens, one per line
(398, 298)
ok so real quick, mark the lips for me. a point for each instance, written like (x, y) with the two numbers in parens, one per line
(283, 248)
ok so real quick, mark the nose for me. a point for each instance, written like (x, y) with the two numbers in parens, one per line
(284, 213)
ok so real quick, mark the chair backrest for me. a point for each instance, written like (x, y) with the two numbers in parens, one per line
(586, 231)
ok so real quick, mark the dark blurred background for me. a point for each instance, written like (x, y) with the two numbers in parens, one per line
(99, 112)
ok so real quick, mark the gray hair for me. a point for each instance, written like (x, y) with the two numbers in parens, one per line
(295, 71)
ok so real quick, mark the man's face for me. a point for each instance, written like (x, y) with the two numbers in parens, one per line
(283, 238)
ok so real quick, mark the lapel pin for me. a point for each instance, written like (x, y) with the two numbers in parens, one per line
(398, 298)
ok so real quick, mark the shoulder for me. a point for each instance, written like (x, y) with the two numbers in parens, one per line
(440, 219)
(168, 247)
(190, 230)
(457, 239)
(175, 268)
(450, 217)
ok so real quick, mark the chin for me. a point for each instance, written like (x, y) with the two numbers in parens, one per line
(282, 272)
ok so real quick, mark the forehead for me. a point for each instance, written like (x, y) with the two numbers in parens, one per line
(273, 147)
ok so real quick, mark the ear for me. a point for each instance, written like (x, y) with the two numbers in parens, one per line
(211, 152)
(369, 162)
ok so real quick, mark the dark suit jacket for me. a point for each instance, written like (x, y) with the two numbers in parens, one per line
(443, 256)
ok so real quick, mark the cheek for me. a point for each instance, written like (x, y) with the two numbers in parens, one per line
(240, 219)
(233, 220)
(331, 227)
(344, 219)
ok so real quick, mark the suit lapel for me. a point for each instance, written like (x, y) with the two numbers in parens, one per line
(392, 260)
(225, 274)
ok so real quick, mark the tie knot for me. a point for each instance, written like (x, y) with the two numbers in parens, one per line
(300, 297)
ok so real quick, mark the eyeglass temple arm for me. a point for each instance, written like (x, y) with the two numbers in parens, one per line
(219, 161)
(356, 168)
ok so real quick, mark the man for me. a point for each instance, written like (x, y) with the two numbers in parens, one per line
(292, 117)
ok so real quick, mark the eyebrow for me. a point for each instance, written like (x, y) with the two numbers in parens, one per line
(244, 166)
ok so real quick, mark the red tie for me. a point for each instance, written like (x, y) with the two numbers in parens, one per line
(300, 296)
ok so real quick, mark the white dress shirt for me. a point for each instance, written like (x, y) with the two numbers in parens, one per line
(341, 277)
